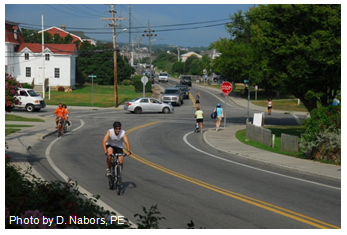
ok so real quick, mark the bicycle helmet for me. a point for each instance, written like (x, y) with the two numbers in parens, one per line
(117, 124)
(218, 105)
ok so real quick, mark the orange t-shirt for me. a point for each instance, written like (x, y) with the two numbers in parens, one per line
(60, 112)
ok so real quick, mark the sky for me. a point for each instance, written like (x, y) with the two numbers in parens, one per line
(183, 25)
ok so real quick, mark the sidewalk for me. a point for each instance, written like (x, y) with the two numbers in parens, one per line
(225, 142)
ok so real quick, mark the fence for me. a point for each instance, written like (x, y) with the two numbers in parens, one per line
(289, 143)
(258, 134)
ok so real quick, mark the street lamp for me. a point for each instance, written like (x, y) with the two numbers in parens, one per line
(115, 68)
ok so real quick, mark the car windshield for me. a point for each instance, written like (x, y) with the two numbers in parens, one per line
(32, 93)
(163, 74)
(171, 91)
(187, 78)
(134, 100)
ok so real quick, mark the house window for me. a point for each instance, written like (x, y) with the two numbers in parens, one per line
(46, 56)
(26, 56)
(56, 73)
(28, 72)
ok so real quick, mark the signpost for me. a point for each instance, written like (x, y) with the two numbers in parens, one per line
(144, 81)
(92, 76)
(226, 88)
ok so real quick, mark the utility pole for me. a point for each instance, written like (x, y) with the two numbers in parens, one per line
(112, 11)
(149, 35)
(178, 54)
(130, 11)
(138, 47)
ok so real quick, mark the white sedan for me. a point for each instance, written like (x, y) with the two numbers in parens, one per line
(146, 104)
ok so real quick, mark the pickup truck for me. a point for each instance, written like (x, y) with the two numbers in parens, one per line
(173, 95)
(29, 100)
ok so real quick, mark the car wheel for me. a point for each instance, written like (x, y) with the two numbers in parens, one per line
(138, 110)
(166, 110)
(30, 108)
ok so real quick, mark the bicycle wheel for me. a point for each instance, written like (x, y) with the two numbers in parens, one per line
(119, 180)
(59, 130)
(111, 178)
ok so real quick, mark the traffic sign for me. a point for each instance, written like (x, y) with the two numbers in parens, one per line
(144, 79)
(226, 88)
(245, 81)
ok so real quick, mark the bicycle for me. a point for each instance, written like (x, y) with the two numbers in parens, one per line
(116, 172)
(60, 128)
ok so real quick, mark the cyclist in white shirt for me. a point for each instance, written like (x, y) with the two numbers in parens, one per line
(113, 143)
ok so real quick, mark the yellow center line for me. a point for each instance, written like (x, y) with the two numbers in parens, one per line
(246, 199)
(192, 98)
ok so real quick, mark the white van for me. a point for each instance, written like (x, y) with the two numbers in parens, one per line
(29, 100)
(163, 77)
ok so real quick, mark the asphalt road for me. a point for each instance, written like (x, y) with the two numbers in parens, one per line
(186, 184)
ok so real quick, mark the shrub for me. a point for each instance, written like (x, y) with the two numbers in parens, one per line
(11, 88)
(139, 85)
(324, 118)
(127, 82)
(322, 137)
(27, 85)
(36, 198)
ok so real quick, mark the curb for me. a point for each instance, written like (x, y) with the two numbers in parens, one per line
(268, 164)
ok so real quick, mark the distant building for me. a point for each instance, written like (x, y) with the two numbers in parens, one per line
(29, 64)
(212, 53)
(185, 56)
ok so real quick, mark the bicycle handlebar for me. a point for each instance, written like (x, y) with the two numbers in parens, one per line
(118, 154)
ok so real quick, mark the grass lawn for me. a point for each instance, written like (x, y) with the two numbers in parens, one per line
(103, 96)
(9, 131)
(11, 117)
(290, 130)
(287, 105)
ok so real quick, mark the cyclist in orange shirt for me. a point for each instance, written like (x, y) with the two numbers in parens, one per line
(60, 112)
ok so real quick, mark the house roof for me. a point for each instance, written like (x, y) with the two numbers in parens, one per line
(77, 35)
(67, 49)
(10, 28)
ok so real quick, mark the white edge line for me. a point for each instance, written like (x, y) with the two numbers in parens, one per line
(80, 188)
(255, 168)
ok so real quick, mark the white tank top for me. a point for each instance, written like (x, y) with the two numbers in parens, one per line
(115, 140)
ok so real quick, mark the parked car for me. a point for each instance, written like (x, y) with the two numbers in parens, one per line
(29, 100)
(217, 78)
(163, 77)
(172, 95)
(185, 90)
(186, 80)
(146, 104)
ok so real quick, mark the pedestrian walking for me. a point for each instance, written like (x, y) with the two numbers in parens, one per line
(199, 115)
(197, 100)
(220, 115)
(269, 106)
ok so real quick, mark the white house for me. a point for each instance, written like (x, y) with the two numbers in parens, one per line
(27, 62)
(185, 56)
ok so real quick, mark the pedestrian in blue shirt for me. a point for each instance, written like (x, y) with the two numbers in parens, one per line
(220, 115)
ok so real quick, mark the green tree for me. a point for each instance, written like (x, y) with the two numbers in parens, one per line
(294, 48)
(196, 67)
(178, 68)
(306, 42)
(98, 60)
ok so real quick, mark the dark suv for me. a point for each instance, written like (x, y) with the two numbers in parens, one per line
(186, 80)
